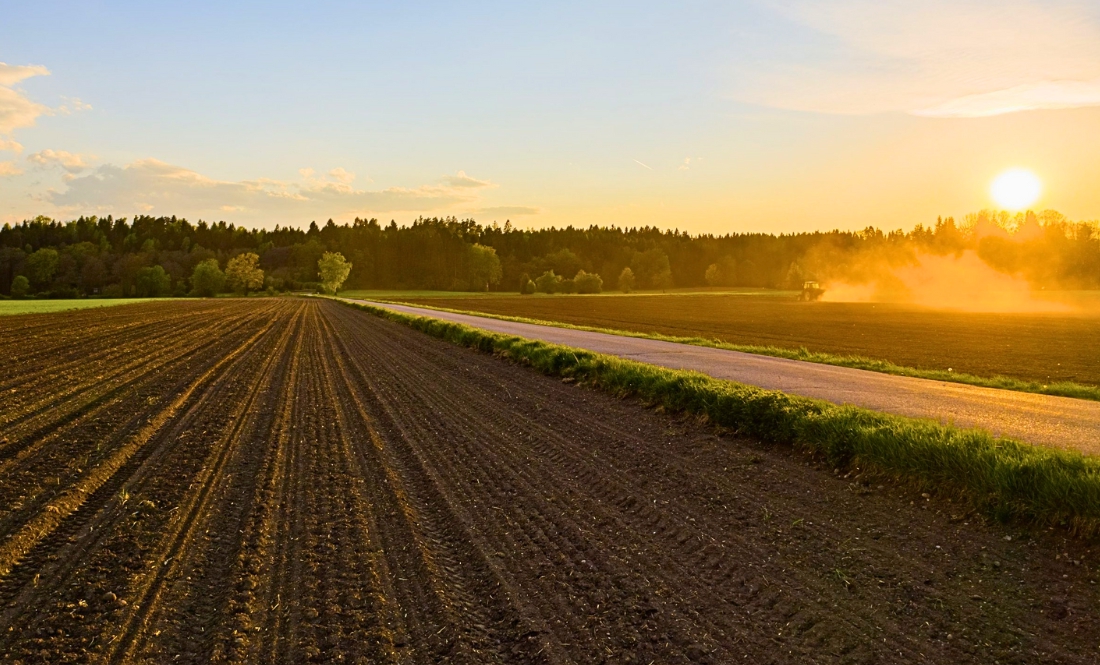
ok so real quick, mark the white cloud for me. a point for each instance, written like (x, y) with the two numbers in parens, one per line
(1047, 95)
(868, 56)
(340, 175)
(16, 111)
(71, 162)
(686, 164)
(8, 169)
(463, 181)
(152, 185)
(73, 105)
(13, 74)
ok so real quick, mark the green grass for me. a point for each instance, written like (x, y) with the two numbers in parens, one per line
(1004, 479)
(1059, 388)
(50, 306)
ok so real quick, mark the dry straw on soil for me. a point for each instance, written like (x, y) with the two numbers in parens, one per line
(1005, 479)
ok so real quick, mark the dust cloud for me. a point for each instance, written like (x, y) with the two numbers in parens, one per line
(955, 281)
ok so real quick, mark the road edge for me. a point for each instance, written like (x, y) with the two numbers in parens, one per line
(1057, 389)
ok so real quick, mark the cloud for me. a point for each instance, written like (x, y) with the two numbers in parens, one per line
(8, 169)
(1047, 95)
(16, 111)
(506, 211)
(644, 166)
(71, 162)
(73, 105)
(153, 185)
(13, 74)
(463, 181)
(340, 175)
(686, 164)
(870, 56)
(11, 146)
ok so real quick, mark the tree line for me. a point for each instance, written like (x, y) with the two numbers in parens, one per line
(159, 256)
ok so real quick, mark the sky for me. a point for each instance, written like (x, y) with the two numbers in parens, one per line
(711, 117)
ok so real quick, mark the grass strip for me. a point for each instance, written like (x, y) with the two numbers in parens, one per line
(1002, 478)
(1057, 389)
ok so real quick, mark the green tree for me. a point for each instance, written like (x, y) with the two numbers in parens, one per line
(20, 286)
(207, 279)
(243, 272)
(152, 282)
(588, 282)
(723, 273)
(333, 269)
(548, 282)
(626, 280)
(41, 266)
(484, 265)
(652, 269)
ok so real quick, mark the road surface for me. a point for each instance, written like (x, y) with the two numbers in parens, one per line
(1040, 419)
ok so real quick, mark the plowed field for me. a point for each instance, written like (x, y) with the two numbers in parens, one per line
(287, 481)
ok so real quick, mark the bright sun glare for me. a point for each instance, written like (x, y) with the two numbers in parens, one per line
(1016, 189)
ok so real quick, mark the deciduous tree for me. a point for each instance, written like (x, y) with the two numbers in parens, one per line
(334, 269)
(243, 272)
(207, 279)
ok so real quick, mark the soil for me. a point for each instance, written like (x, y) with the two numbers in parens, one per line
(1045, 347)
(291, 480)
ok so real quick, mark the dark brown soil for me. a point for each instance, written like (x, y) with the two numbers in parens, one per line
(295, 481)
(1037, 347)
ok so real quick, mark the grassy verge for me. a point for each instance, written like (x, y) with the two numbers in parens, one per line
(1002, 478)
(1058, 389)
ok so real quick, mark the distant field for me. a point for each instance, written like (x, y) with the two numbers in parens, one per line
(1039, 347)
(402, 294)
(49, 306)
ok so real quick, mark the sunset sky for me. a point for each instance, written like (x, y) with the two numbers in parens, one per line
(769, 115)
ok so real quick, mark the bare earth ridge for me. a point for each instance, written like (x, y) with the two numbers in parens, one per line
(293, 481)
(1040, 419)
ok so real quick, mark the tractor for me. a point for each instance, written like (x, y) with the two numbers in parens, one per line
(810, 291)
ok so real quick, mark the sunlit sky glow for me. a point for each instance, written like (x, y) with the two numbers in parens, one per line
(769, 115)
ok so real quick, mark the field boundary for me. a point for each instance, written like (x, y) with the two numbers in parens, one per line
(1056, 389)
(1002, 478)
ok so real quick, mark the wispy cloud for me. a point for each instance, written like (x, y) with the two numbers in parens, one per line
(10, 146)
(71, 162)
(463, 181)
(9, 169)
(1046, 95)
(16, 111)
(151, 185)
(935, 57)
(13, 74)
(644, 166)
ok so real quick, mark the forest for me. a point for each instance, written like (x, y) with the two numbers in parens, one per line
(156, 256)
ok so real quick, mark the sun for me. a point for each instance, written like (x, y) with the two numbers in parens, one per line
(1016, 189)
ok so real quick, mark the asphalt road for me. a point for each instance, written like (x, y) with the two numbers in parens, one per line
(1040, 419)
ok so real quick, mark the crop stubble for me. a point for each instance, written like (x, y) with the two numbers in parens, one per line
(292, 481)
